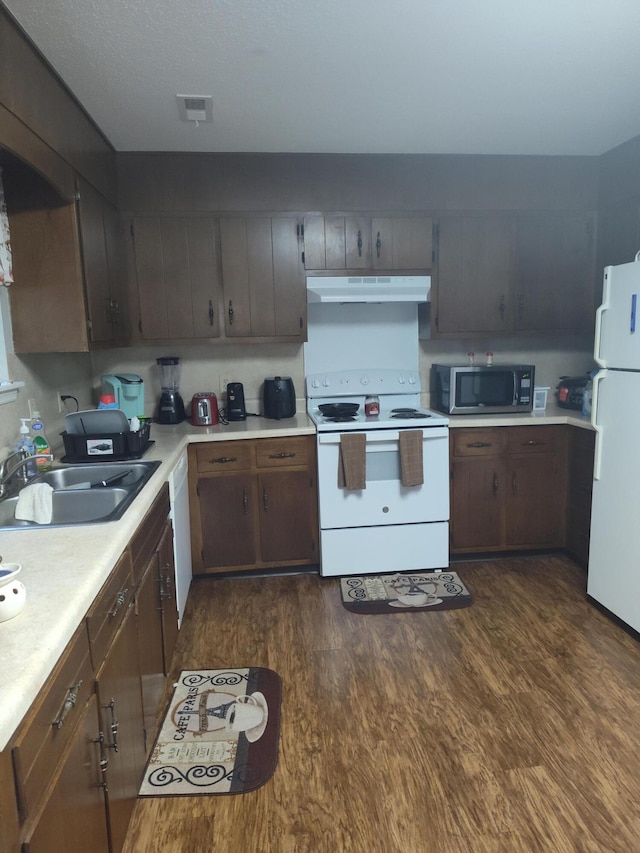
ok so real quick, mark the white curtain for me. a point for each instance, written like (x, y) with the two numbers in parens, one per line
(6, 275)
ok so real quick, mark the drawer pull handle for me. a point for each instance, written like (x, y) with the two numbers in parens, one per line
(104, 761)
(220, 460)
(165, 585)
(211, 314)
(514, 484)
(245, 501)
(282, 455)
(495, 484)
(114, 726)
(265, 500)
(480, 444)
(69, 703)
(121, 597)
(230, 312)
(532, 443)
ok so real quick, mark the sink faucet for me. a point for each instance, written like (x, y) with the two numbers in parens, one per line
(9, 469)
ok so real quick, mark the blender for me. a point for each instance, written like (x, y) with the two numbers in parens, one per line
(171, 405)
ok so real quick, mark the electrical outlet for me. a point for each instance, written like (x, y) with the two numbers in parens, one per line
(223, 383)
(33, 407)
(61, 407)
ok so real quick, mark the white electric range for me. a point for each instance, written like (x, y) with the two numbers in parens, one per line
(385, 526)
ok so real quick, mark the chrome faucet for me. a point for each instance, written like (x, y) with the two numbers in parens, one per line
(8, 471)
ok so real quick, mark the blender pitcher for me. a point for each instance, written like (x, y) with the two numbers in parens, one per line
(171, 405)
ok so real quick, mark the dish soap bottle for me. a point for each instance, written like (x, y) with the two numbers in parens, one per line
(25, 446)
(40, 443)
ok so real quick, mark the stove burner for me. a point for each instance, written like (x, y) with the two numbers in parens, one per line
(338, 419)
(404, 410)
(410, 414)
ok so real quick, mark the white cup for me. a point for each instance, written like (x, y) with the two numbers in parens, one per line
(414, 599)
(243, 714)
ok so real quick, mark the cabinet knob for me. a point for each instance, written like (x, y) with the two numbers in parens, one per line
(245, 501)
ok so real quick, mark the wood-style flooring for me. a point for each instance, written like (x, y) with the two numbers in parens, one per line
(510, 725)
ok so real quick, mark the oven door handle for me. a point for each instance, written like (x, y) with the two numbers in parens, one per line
(383, 436)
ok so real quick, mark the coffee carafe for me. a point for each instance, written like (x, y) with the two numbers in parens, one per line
(171, 404)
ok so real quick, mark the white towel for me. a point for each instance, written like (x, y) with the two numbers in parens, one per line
(35, 503)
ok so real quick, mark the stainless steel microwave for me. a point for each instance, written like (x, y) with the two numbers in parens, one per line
(465, 389)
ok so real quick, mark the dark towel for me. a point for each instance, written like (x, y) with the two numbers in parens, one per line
(411, 457)
(352, 463)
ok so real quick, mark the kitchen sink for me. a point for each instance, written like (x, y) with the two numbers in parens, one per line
(88, 505)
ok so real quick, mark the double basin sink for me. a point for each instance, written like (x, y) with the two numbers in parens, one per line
(84, 493)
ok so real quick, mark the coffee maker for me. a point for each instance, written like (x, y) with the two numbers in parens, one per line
(128, 390)
(171, 404)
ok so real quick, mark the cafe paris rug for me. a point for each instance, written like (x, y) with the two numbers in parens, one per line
(401, 592)
(219, 735)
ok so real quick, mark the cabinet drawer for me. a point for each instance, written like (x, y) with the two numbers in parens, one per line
(147, 536)
(280, 452)
(477, 441)
(536, 439)
(49, 727)
(224, 456)
(107, 610)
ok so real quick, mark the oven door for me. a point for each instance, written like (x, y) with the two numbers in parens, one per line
(385, 500)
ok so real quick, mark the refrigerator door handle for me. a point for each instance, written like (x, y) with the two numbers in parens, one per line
(597, 456)
(600, 312)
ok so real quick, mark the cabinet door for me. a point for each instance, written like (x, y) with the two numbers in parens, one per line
(94, 257)
(478, 494)
(47, 270)
(535, 502)
(121, 715)
(228, 518)
(104, 266)
(581, 452)
(554, 272)
(287, 502)
(74, 819)
(474, 280)
(178, 277)
(168, 604)
(262, 277)
(402, 243)
(150, 650)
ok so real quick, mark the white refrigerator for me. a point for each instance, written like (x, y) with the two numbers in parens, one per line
(614, 554)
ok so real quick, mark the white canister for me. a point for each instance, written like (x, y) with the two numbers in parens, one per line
(13, 595)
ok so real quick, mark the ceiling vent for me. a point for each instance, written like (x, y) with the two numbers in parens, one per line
(195, 108)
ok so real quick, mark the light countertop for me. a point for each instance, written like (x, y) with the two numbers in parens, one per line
(64, 568)
(553, 414)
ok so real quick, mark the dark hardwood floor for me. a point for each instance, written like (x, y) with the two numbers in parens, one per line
(510, 725)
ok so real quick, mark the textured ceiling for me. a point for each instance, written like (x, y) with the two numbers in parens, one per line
(350, 76)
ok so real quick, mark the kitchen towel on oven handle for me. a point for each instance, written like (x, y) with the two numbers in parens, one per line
(352, 461)
(411, 466)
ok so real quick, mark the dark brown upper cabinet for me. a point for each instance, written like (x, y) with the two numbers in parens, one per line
(263, 282)
(178, 277)
(359, 242)
(515, 272)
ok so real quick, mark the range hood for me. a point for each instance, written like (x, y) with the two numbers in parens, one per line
(369, 288)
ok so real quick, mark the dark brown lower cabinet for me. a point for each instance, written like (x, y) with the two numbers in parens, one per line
(122, 722)
(253, 504)
(74, 819)
(508, 488)
(581, 450)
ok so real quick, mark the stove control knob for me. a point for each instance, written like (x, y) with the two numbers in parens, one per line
(401, 379)
(315, 383)
(364, 380)
(326, 382)
(412, 380)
